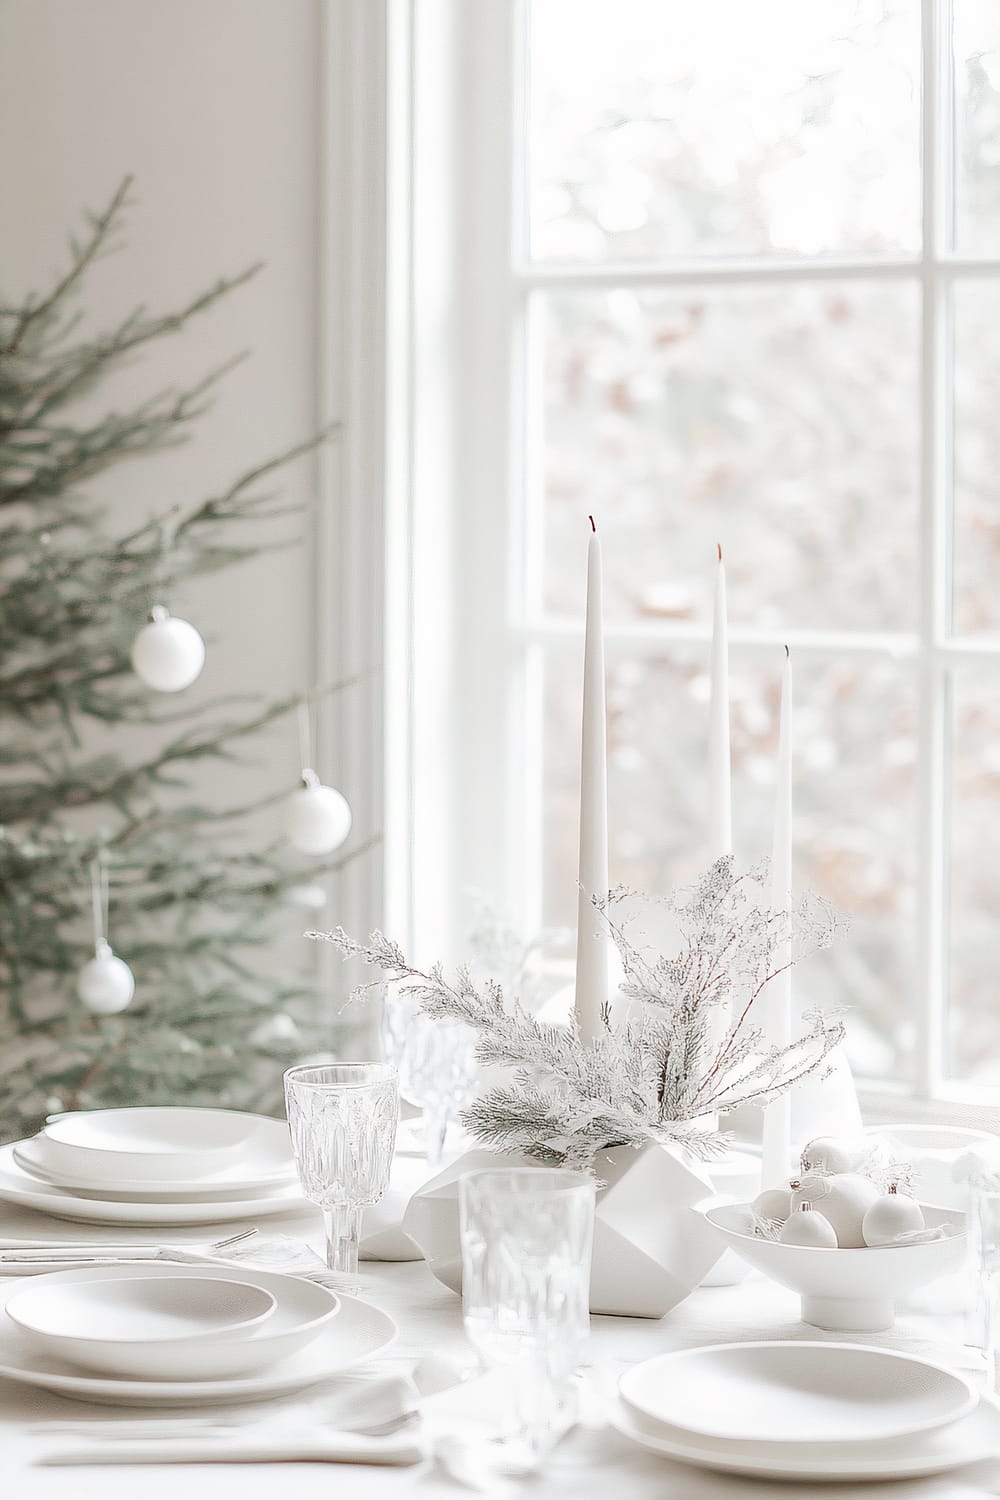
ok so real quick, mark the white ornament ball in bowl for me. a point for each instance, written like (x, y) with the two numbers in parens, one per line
(844, 1198)
(105, 984)
(845, 1289)
(891, 1216)
(168, 653)
(807, 1227)
(829, 1153)
(317, 817)
(773, 1203)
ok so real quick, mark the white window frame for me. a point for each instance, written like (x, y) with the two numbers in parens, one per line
(463, 745)
(349, 583)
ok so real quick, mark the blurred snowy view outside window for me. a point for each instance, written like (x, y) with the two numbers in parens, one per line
(732, 244)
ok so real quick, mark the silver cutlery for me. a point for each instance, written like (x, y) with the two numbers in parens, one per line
(45, 1254)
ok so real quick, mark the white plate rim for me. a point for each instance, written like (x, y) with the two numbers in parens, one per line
(857, 1469)
(61, 1205)
(254, 1386)
(971, 1395)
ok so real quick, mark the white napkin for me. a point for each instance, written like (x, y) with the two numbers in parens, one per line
(339, 1425)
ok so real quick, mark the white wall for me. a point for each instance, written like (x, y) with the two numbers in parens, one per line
(214, 106)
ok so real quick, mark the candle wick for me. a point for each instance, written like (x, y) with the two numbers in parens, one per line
(787, 652)
(719, 549)
(592, 525)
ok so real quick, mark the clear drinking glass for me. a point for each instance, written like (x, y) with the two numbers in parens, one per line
(439, 1072)
(984, 1270)
(526, 1248)
(342, 1118)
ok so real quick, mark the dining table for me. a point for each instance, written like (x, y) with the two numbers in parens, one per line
(591, 1462)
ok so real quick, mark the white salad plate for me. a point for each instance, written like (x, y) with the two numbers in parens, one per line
(344, 1333)
(971, 1439)
(16, 1186)
(792, 1392)
(160, 1144)
(181, 1327)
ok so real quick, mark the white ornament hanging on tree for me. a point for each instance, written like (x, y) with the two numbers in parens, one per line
(106, 984)
(310, 897)
(168, 653)
(317, 817)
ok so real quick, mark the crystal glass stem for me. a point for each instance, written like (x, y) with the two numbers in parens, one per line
(343, 1233)
(538, 1415)
(435, 1132)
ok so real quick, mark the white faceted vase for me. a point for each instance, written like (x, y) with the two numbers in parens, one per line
(650, 1247)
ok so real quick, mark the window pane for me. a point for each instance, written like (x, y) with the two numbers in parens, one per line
(781, 422)
(975, 887)
(977, 126)
(977, 456)
(854, 809)
(659, 128)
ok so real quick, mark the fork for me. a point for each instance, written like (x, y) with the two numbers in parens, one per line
(44, 1255)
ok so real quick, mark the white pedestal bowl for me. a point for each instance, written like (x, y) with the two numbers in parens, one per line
(844, 1289)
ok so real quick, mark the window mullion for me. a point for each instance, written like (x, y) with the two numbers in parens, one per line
(936, 421)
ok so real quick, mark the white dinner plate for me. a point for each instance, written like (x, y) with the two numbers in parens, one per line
(973, 1438)
(17, 1187)
(268, 1165)
(356, 1333)
(264, 1158)
(801, 1391)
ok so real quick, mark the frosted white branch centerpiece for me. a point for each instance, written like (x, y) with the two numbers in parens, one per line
(634, 1102)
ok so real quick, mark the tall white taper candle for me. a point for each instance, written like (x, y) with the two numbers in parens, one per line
(720, 794)
(778, 994)
(591, 935)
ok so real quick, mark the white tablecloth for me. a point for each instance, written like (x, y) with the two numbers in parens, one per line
(593, 1464)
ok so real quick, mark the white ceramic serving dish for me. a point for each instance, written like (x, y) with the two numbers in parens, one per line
(845, 1289)
(16, 1186)
(795, 1391)
(147, 1327)
(934, 1151)
(970, 1440)
(157, 1144)
(303, 1309)
(358, 1333)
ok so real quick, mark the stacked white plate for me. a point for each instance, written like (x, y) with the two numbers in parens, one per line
(806, 1410)
(154, 1166)
(162, 1335)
